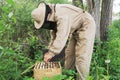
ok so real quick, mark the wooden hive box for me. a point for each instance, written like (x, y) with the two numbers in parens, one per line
(50, 70)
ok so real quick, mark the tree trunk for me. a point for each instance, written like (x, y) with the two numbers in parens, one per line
(94, 10)
(81, 2)
(106, 18)
(78, 3)
(91, 5)
(74, 2)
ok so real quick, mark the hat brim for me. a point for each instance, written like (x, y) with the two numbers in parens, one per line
(42, 8)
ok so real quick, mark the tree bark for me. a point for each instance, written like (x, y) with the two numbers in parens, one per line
(74, 2)
(78, 3)
(81, 2)
(94, 10)
(106, 18)
(91, 5)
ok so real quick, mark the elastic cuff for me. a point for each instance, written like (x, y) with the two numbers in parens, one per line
(52, 53)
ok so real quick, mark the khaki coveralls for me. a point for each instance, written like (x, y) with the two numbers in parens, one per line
(73, 22)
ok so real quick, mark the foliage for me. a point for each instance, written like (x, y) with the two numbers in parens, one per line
(17, 38)
(58, 1)
(6, 22)
(12, 64)
(66, 75)
(105, 62)
(114, 50)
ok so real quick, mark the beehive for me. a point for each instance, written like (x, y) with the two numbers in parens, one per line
(50, 69)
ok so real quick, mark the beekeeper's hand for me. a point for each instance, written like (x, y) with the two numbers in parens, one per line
(47, 57)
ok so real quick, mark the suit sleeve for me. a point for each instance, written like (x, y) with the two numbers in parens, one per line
(53, 36)
(63, 30)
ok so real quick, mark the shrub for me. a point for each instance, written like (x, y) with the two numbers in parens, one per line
(105, 61)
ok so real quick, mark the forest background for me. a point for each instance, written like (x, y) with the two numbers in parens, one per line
(21, 45)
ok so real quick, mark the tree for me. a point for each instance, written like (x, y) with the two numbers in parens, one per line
(78, 3)
(103, 20)
(74, 2)
(94, 10)
(106, 18)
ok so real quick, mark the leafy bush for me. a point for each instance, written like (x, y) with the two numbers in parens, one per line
(12, 64)
(58, 1)
(17, 31)
(105, 61)
(114, 50)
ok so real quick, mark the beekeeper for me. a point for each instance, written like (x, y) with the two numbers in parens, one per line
(67, 23)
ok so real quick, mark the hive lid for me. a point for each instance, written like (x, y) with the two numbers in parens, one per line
(43, 65)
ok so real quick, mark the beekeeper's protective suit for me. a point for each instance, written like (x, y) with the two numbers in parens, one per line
(66, 21)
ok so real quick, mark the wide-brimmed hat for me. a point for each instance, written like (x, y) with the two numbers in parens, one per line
(38, 15)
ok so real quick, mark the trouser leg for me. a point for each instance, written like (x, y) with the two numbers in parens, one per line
(84, 48)
(70, 54)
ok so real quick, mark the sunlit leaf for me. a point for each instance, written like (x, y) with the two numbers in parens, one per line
(5, 9)
(10, 2)
(2, 28)
(1, 47)
(9, 51)
(10, 14)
